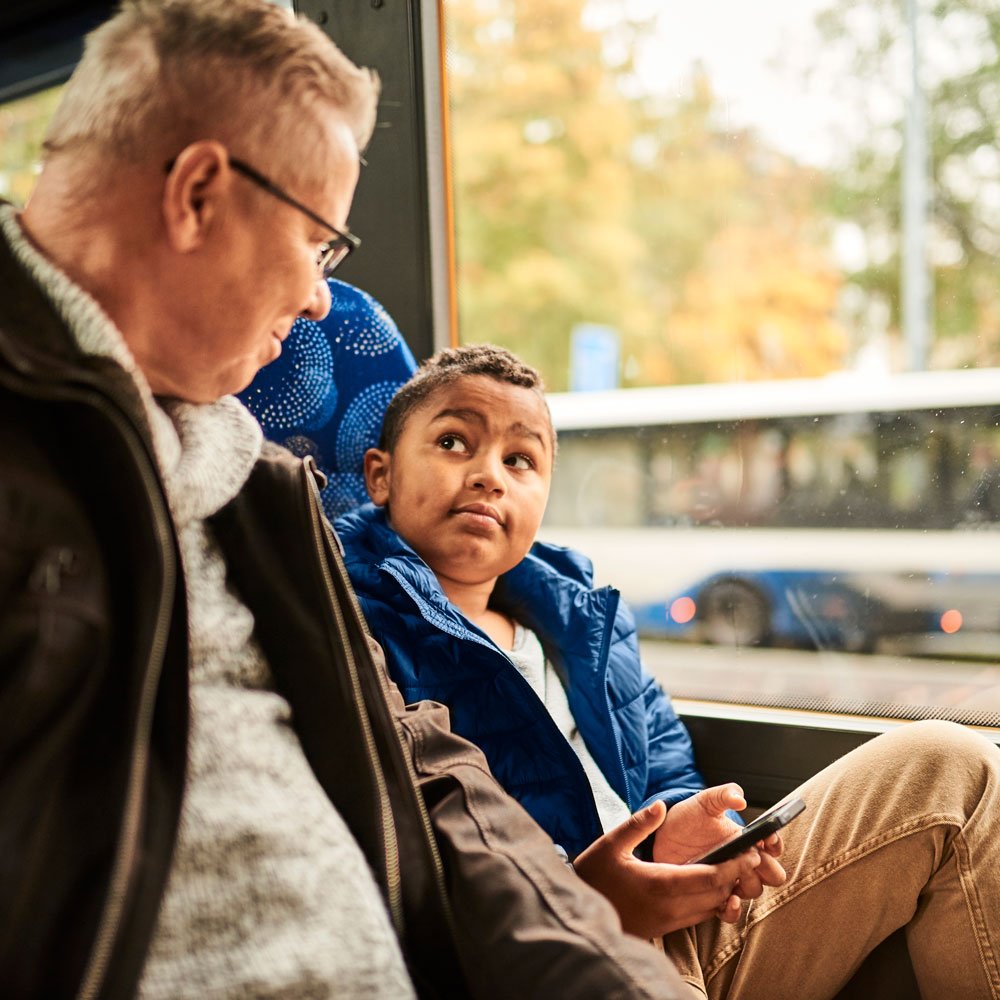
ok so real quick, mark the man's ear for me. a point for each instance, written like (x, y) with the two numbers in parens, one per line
(378, 475)
(199, 179)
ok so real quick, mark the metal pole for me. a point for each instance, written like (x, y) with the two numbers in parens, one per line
(915, 278)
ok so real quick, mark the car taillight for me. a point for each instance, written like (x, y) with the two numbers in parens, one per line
(951, 621)
(683, 610)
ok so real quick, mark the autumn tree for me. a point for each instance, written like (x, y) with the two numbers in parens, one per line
(738, 255)
(539, 156)
(583, 199)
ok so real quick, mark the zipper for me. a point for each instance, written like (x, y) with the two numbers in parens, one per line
(127, 846)
(390, 845)
(437, 867)
(129, 836)
(614, 597)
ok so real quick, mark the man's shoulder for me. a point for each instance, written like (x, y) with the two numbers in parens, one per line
(279, 456)
(30, 328)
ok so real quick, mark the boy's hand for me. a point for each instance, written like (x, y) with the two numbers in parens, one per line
(696, 825)
(653, 899)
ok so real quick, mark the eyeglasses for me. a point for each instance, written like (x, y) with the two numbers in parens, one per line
(332, 253)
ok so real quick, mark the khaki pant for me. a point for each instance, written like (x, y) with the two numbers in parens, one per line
(902, 832)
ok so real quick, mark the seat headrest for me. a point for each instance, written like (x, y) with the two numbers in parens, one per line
(326, 394)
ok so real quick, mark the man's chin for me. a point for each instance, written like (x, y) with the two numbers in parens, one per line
(236, 381)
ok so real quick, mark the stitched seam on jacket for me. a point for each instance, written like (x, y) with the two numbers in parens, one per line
(442, 764)
(429, 612)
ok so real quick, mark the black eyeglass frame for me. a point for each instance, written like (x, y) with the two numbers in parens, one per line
(335, 251)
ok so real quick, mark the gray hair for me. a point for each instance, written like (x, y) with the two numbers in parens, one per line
(161, 74)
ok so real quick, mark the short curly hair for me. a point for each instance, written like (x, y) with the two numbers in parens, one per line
(448, 366)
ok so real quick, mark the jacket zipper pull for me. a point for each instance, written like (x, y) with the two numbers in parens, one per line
(319, 476)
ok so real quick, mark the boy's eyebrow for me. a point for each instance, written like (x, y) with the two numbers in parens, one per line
(525, 431)
(475, 417)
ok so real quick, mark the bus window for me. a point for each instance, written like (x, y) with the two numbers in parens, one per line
(607, 473)
(716, 273)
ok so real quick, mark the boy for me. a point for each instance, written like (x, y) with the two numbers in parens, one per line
(519, 647)
(543, 673)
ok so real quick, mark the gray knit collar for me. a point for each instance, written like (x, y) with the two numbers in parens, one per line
(205, 451)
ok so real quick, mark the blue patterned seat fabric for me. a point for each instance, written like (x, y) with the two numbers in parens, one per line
(326, 394)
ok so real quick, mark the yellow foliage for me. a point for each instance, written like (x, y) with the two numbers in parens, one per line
(706, 251)
(762, 307)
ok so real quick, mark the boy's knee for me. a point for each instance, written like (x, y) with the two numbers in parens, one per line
(937, 735)
(938, 749)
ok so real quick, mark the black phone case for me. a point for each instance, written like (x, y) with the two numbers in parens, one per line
(751, 834)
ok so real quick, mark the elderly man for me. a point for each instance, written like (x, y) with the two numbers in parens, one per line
(207, 786)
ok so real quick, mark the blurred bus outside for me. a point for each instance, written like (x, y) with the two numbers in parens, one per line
(822, 513)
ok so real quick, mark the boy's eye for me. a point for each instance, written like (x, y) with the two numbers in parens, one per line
(452, 442)
(519, 462)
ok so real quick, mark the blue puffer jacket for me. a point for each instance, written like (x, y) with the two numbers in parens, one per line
(434, 652)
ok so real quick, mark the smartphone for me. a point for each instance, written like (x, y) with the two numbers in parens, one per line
(763, 826)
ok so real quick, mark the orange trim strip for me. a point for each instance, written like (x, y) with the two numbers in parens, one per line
(449, 199)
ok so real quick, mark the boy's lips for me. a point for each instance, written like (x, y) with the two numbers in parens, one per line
(480, 510)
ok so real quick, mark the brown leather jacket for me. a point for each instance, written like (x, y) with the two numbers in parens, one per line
(94, 703)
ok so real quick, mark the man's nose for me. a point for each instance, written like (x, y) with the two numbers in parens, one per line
(319, 305)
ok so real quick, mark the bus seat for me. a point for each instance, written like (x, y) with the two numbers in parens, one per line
(326, 394)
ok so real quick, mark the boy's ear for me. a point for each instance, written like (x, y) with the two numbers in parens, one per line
(378, 475)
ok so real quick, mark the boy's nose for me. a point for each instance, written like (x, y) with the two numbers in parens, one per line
(486, 476)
